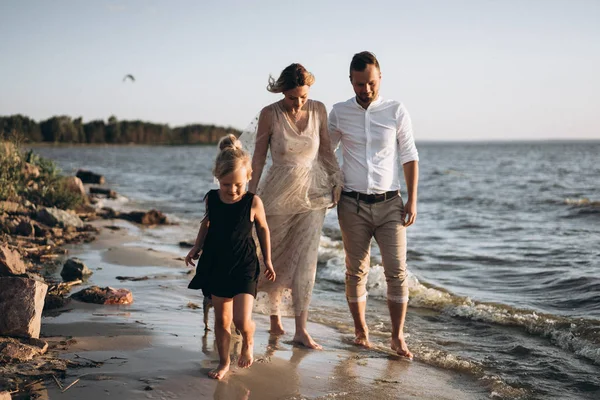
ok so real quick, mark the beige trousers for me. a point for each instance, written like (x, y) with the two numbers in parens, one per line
(360, 222)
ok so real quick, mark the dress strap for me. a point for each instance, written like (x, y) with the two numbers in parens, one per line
(248, 199)
(208, 200)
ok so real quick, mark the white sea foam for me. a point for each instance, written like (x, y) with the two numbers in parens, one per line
(116, 204)
(569, 334)
(443, 359)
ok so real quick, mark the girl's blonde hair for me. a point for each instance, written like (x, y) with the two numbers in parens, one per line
(231, 157)
(293, 76)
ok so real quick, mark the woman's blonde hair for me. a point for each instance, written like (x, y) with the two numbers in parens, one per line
(293, 76)
(231, 157)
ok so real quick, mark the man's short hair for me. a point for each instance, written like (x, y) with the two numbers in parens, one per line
(361, 60)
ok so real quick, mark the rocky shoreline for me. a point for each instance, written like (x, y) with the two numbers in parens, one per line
(32, 240)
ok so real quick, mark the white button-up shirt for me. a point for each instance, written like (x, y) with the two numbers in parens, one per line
(372, 141)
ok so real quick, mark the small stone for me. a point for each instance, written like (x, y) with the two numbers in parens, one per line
(90, 177)
(54, 301)
(11, 207)
(75, 185)
(57, 232)
(25, 228)
(107, 295)
(152, 217)
(109, 193)
(53, 216)
(12, 349)
(74, 269)
(10, 262)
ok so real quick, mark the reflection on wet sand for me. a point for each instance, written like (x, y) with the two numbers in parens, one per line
(271, 374)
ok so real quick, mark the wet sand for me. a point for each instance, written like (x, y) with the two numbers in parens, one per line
(156, 348)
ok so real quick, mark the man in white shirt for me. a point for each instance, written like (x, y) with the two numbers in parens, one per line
(375, 134)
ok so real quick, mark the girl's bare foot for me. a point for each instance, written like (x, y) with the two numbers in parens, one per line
(246, 355)
(304, 339)
(276, 326)
(399, 346)
(219, 372)
(362, 338)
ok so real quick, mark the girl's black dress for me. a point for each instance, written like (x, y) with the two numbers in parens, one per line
(228, 264)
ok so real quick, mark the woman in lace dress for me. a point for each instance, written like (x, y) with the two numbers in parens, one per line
(303, 181)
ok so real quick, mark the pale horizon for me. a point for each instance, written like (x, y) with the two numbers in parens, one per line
(466, 70)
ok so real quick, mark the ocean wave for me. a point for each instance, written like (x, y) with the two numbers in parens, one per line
(580, 336)
(117, 204)
(440, 172)
(334, 270)
(498, 388)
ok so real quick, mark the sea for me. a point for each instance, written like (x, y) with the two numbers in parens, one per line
(504, 257)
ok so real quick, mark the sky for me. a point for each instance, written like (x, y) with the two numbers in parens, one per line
(465, 70)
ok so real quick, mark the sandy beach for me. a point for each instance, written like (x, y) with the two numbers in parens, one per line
(157, 348)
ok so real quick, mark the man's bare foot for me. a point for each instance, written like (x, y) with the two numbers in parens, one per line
(219, 372)
(399, 346)
(246, 355)
(276, 326)
(304, 339)
(362, 339)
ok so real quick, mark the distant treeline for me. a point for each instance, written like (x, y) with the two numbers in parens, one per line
(64, 129)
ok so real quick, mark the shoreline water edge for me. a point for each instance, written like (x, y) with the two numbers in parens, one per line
(467, 344)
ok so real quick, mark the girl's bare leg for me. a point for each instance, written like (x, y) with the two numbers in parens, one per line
(223, 317)
(242, 317)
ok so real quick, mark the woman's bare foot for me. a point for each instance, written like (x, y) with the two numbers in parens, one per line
(246, 355)
(219, 372)
(399, 346)
(362, 338)
(276, 326)
(304, 339)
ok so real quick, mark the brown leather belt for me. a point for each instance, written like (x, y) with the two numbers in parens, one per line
(372, 198)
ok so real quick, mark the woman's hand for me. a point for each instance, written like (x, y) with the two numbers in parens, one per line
(336, 193)
(194, 254)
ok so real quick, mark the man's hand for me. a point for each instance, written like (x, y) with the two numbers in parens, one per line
(336, 193)
(194, 254)
(410, 213)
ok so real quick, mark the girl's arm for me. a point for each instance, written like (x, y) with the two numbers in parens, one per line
(261, 147)
(199, 243)
(264, 236)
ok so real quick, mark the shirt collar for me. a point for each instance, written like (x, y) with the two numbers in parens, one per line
(373, 104)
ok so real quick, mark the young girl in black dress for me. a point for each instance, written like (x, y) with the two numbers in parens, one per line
(228, 267)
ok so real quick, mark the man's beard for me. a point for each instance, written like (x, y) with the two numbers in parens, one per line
(366, 97)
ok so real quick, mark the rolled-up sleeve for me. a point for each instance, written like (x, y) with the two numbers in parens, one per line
(406, 142)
